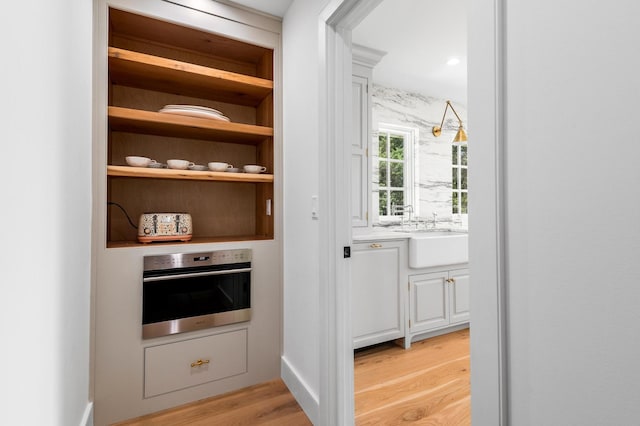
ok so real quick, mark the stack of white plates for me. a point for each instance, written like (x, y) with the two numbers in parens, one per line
(194, 111)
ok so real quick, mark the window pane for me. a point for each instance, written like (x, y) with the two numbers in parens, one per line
(382, 145)
(382, 169)
(463, 178)
(463, 154)
(382, 203)
(397, 175)
(464, 203)
(397, 147)
(454, 203)
(397, 198)
(454, 154)
(454, 178)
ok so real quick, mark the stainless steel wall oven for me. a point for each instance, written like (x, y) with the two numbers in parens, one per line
(191, 291)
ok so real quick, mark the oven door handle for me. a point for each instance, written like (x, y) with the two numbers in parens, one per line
(195, 274)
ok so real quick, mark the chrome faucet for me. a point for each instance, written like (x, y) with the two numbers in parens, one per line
(401, 210)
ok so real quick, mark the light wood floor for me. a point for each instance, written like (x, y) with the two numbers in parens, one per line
(265, 404)
(425, 385)
(428, 384)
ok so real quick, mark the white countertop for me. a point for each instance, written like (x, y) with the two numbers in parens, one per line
(377, 234)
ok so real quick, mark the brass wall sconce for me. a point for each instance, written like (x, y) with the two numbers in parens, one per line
(461, 136)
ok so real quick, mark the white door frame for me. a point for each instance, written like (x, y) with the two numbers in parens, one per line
(488, 337)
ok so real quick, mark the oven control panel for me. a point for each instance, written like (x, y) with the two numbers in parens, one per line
(189, 260)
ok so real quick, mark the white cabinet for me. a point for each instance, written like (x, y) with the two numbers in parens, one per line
(388, 303)
(438, 300)
(377, 297)
(364, 59)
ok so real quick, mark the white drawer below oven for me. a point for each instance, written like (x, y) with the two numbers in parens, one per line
(174, 366)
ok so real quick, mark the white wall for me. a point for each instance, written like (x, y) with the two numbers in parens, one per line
(572, 212)
(45, 249)
(301, 102)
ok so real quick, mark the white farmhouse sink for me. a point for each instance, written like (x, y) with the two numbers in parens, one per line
(438, 248)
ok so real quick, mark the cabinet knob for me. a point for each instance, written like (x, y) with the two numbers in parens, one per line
(199, 362)
(450, 280)
(376, 245)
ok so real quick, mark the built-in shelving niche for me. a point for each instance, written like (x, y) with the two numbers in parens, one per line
(154, 63)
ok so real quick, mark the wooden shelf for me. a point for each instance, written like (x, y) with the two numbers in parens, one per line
(145, 172)
(144, 71)
(194, 240)
(162, 124)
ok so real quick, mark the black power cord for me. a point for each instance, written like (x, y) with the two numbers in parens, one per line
(111, 203)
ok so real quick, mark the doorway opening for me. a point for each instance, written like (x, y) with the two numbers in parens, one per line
(410, 183)
(341, 17)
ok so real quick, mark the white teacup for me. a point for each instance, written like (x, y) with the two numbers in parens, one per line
(219, 167)
(179, 164)
(233, 170)
(135, 161)
(253, 168)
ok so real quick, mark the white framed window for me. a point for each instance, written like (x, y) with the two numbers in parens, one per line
(459, 178)
(393, 170)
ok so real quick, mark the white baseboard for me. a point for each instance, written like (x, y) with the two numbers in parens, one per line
(87, 417)
(306, 398)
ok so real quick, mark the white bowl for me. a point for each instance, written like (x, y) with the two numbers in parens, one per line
(136, 161)
(253, 168)
(179, 164)
(233, 170)
(216, 166)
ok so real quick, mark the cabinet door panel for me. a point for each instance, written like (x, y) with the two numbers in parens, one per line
(459, 292)
(180, 365)
(359, 107)
(376, 301)
(359, 143)
(358, 201)
(429, 298)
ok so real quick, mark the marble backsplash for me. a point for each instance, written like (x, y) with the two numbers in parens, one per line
(432, 156)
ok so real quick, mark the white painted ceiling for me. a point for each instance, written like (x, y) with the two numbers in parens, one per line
(273, 7)
(419, 37)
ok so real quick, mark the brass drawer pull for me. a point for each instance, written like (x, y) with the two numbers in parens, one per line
(199, 362)
(376, 245)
